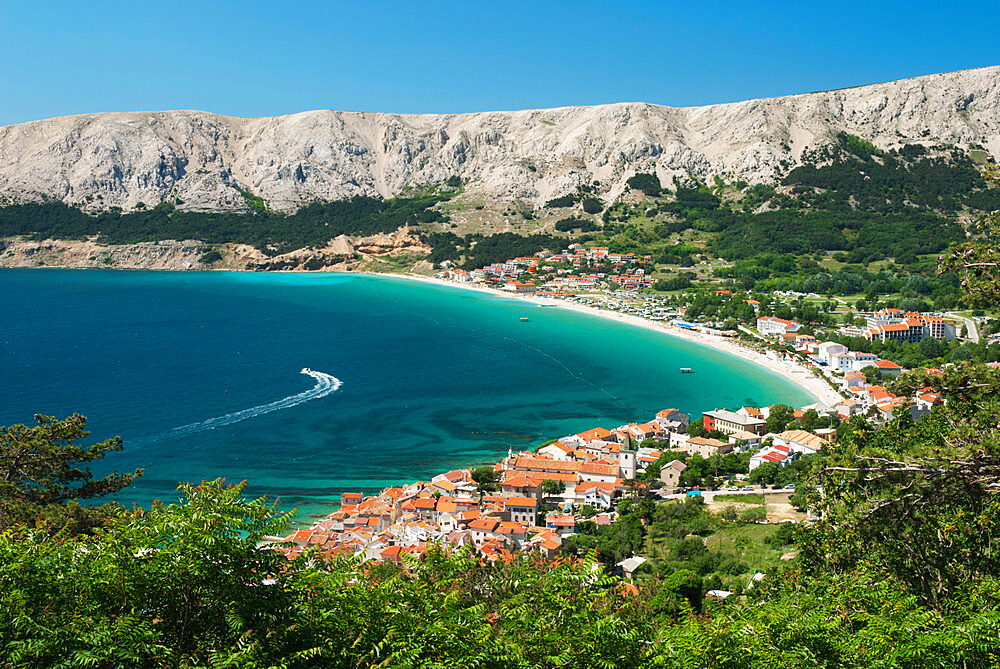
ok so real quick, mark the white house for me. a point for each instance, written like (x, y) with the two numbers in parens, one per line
(779, 455)
(826, 350)
(800, 441)
(557, 451)
(598, 495)
(772, 326)
(521, 509)
(861, 360)
(749, 439)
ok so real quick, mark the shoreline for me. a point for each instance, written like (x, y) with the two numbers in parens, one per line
(811, 384)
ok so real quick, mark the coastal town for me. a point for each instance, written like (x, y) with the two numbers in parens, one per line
(533, 500)
(849, 380)
(536, 500)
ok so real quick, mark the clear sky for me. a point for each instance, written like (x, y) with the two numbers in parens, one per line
(254, 58)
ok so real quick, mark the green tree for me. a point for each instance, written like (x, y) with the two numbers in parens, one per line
(43, 474)
(487, 478)
(553, 487)
(696, 428)
(766, 473)
(931, 347)
(681, 590)
(778, 417)
(872, 373)
(978, 262)
(754, 514)
(646, 183)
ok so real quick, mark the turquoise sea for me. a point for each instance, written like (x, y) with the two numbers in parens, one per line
(201, 374)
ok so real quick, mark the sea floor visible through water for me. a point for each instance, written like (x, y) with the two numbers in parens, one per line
(310, 385)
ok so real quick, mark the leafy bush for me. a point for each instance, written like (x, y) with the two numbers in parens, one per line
(570, 224)
(756, 514)
(210, 257)
(673, 283)
(784, 536)
(560, 202)
(645, 183)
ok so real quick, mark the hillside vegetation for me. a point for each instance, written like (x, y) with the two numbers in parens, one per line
(273, 233)
(829, 226)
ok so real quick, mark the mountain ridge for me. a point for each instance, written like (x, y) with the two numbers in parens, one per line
(201, 160)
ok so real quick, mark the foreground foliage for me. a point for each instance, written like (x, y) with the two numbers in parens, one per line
(902, 571)
(919, 501)
(186, 585)
(43, 474)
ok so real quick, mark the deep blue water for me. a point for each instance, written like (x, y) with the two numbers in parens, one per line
(433, 377)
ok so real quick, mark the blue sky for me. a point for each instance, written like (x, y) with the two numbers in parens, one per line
(262, 58)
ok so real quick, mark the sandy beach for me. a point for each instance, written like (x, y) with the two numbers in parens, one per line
(797, 374)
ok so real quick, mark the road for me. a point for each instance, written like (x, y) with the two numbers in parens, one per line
(709, 495)
(972, 334)
(752, 333)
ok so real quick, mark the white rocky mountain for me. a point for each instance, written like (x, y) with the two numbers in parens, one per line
(203, 160)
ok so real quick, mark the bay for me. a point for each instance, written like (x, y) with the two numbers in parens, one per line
(430, 377)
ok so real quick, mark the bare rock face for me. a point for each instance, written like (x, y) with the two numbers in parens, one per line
(337, 255)
(204, 160)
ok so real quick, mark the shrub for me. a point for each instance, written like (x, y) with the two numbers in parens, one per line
(210, 257)
(645, 183)
(570, 224)
(558, 202)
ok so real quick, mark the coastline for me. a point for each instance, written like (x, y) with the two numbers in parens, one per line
(796, 374)
(812, 385)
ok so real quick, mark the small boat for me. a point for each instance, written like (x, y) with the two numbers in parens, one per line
(685, 370)
(524, 319)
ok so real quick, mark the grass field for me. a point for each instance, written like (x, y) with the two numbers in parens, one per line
(745, 543)
(753, 498)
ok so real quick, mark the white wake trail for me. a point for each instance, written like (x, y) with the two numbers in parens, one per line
(325, 384)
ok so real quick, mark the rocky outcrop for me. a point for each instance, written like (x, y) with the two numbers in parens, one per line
(342, 253)
(204, 160)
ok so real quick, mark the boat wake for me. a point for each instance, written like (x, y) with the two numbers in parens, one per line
(325, 385)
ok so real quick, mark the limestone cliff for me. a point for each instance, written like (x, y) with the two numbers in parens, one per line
(204, 160)
(341, 254)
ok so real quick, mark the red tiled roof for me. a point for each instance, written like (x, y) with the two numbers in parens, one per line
(521, 502)
(595, 433)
